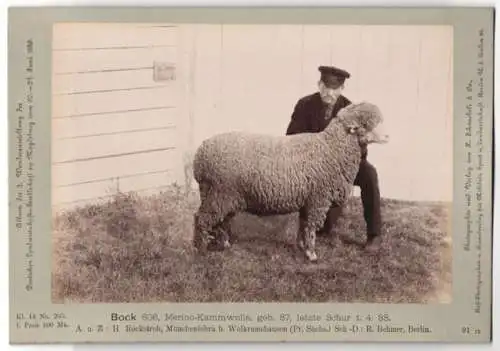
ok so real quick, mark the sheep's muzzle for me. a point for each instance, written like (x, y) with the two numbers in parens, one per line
(378, 135)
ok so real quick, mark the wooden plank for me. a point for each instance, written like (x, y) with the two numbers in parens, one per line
(413, 100)
(205, 102)
(386, 69)
(83, 191)
(371, 80)
(433, 159)
(80, 62)
(71, 105)
(315, 52)
(66, 150)
(110, 186)
(61, 207)
(372, 74)
(185, 83)
(399, 108)
(145, 181)
(432, 99)
(63, 128)
(85, 36)
(250, 77)
(346, 51)
(399, 104)
(70, 173)
(118, 101)
(78, 83)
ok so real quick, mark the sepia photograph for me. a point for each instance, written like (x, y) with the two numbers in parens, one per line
(203, 163)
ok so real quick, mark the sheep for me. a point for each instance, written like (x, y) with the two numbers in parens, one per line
(274, 175)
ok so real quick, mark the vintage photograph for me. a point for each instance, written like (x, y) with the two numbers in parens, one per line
(251, 163)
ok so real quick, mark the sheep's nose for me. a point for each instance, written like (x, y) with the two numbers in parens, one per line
(381, 138)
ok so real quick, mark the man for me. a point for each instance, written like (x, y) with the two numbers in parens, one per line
(312, 113)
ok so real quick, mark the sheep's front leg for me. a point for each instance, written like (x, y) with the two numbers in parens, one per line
(301, 230)
(314, 220)
(310, 245)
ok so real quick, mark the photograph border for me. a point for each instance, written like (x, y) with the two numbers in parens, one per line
(30, 34)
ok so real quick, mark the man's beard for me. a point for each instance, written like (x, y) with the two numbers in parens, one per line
(328, 96)
(328, 99)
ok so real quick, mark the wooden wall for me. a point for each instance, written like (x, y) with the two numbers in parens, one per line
(250, 77)
(114, 126)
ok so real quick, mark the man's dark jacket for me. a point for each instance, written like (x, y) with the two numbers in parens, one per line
(309, 115)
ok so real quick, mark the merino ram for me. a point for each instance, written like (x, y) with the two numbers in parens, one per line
(272, 175)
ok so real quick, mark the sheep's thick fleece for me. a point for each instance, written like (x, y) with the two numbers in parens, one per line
(279, 174)
(270, 175)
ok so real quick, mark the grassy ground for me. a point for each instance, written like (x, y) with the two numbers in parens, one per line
(138, 249)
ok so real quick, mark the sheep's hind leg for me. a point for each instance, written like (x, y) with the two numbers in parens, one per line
(203, 222)
(222, 235)
(211, 217)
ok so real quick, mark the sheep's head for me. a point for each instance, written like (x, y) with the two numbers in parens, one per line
(364, 120)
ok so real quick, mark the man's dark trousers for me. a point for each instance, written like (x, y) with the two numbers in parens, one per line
(309, 117)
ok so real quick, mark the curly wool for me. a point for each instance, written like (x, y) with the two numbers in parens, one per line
(279, 174)
(269, 175)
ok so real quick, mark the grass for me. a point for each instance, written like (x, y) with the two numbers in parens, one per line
(138, 249)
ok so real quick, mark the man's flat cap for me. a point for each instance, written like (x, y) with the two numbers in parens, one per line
(334, 71)
(333, 77)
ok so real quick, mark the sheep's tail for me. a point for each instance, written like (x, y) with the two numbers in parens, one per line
(196, 171)
(197, 164)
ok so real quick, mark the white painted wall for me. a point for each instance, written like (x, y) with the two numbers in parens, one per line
(114, 126)
(250, 77)
(240, 77)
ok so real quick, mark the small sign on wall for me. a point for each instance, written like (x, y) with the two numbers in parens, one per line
(163, 71)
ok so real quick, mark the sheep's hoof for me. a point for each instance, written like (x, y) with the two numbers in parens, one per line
(218, 245)
(311, 256)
